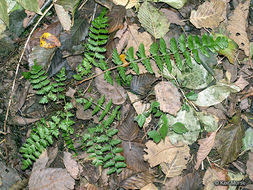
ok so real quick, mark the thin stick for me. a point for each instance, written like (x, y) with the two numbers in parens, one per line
(17, 68)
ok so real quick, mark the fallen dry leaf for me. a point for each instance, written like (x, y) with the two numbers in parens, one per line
(129, 3)
(168, 96)
(71, 165)
(150, 186)
(241, 82)
(49, 178)
(212, 175)
(172, 158)
(237, 25)
(209, 14)
(191, 181)
(250, 166)
(63, 16)
(116, 18)
(136, 38)
(172, 183)
(172, 17)
(114, 92)
(130, 179)
(206, 145)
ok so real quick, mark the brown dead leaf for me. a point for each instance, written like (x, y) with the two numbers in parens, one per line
(206, 145)
(133, 153)
(63, 17)
(168, 96)
(191, 181)
(250, 166)
(127, 3)
(19, 120)
(71, 165)
(150, 186)
(209, 14)
(116, 18)
(136, 38)
(49, 178)
(172, 17)
(130, 179)
(70, 93)
(90, 172)
(241, 82)
(237, 25)
(212, 175)
(172, 158)
(128, 128)
(115, 92)
(172, 183)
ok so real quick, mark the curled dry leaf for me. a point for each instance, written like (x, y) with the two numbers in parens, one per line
(206, 145)
(128, 128)
(168, 97)
(114, 92)
(49, 178)
(209, 14)
(133, 153)
(237, 26)
(71, 165)
(213, 174)
(130, 179)
(172, 158)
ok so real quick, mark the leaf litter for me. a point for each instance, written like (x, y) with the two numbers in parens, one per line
(217, 101)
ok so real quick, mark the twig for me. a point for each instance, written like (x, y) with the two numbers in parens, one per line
(17, 68)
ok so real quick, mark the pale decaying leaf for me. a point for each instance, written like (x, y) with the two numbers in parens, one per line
(237, 26)
(250, 166)
(215, 94)
(241, 82)
(128, 3)
(63, 17)
(114, 92)
(168, 96)
(172, 16)
(212, 175)
(71, 165)
(172, 158)
(209, 14)
(172, 183)
(136, 38)
(206, 145)
(153, 20)
(49, 178)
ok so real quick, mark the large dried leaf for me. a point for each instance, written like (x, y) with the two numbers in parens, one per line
(229, 142)
(130, 179)
(209, 14)
(142, 84)
(136, 38)
(237, 26)
(133, 153)
(114, 92)
(206, 146)
(127, 3)
(172, 158)
(71, 165)
(49, 178)
(168, 96)
(116, 18)
(63, 16)
(191, 181)
(153, 20)
(211, 176)
(128, 128)
(215, 94)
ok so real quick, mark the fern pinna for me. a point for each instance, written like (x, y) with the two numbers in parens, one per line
(101, 141)
(94, 54)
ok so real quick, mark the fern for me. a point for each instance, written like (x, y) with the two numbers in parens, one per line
(47, 89)
(40, 138)
(100, 141)
(94, 55)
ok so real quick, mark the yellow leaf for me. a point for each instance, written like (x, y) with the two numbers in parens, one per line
(48, 40)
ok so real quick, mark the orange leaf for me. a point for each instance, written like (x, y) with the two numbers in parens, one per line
(48, 40)
(123, 59)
